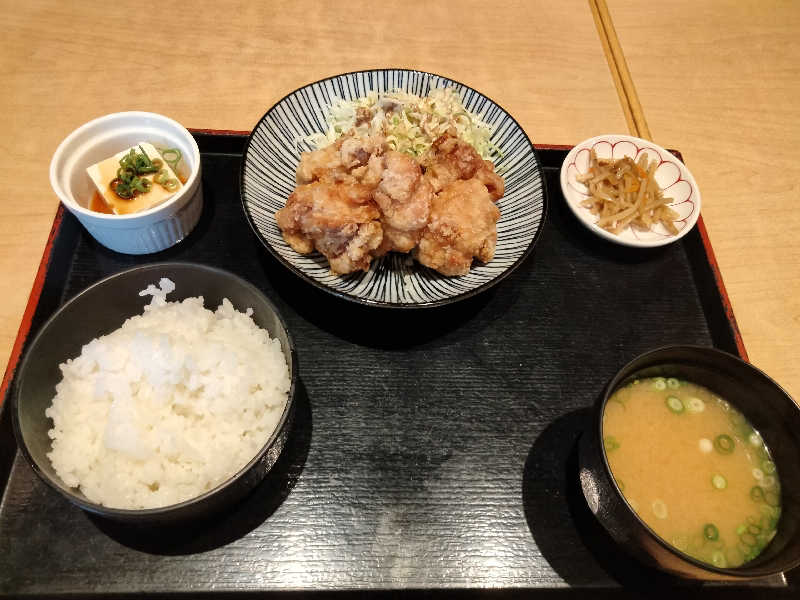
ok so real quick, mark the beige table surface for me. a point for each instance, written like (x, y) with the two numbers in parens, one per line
(222, 67)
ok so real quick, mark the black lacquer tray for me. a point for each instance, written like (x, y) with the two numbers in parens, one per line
(433, 451)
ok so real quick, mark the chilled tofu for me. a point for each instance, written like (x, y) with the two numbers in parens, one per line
(105, 171)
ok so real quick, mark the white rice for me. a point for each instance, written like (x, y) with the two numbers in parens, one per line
(169, 405)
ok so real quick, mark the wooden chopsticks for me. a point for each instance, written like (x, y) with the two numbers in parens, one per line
(634, 115)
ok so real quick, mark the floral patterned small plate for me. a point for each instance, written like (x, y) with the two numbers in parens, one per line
(674, 178)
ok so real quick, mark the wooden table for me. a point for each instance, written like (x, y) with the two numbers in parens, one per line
(215, 67)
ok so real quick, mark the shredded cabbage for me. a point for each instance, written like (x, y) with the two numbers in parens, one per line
(410, 123)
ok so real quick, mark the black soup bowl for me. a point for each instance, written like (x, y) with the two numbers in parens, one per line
(771, 411)
(101, 309)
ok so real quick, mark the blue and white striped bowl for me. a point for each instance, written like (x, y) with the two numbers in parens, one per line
(268, 177)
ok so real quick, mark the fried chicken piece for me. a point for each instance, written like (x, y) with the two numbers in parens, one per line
(346, 160)
(451, 159)
(315, 164)
(340, 220)
(404, 198)
(493, 182)
(462, 226)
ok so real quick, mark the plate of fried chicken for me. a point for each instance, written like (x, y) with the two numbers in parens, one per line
(393, 187)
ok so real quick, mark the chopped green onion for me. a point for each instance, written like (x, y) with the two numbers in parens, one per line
(163, 179)
(754, 529)
(758, 473)
(680, 542)
(618, 399)
(768, 481)
(724, 444)
(710, 532)
(695, 405)
(172, 156)
(772, 498)
(741, 529)
(755, 439)
(140, 184)
(719, 482)
(736, 417)
(745, 431)
(610, 443)
(757, 493)
(140, 164)
(718, 559)
(705, 445)
(143, 163)
(660, 383)
(768, 466)
(674, 404)
(748, 539)
(673, 383)
(772, 512)
(660, 509)
(120, 188)
(132, 165)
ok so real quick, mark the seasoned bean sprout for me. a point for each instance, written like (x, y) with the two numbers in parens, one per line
(624, 193)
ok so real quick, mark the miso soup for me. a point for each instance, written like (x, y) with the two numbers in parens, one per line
(693, 469)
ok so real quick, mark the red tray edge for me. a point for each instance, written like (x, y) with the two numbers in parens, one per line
(30, 307)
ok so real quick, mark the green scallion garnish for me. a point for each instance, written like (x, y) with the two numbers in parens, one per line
(130, 182)
(710, 532)
(674, 404)
(171, 156)
(695, 405)
(724, 444)
(719, 482)
(748, 539)
(718, 559)
(610, 443)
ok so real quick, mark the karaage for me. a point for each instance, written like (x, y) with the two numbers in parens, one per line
(340, 220)
(451, 158)
(462, 226)
(404, 198)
